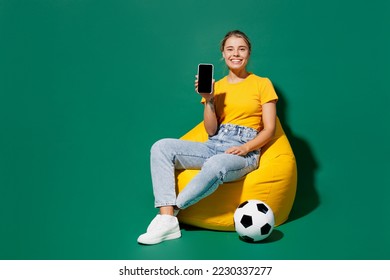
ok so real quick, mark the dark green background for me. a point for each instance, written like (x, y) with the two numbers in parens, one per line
(87, 86)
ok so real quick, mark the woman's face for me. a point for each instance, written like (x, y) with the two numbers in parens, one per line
(236, 53)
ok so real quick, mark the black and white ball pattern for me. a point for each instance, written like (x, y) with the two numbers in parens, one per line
(254, 220)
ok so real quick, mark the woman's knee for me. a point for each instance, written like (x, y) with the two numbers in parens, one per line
(162, 145)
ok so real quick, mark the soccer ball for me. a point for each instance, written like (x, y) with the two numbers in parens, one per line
(254, 220)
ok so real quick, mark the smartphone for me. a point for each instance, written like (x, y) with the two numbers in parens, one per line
(205, 78)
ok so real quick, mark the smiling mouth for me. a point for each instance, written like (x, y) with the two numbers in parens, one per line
(236, 61)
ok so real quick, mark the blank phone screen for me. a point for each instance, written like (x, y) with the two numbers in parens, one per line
(205, 78)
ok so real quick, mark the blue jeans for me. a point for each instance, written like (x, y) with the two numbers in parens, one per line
(215, 166)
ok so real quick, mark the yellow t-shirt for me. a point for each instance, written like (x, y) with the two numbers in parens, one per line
(240, 103)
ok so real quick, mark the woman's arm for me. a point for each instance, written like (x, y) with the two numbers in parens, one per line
(209, 116)
(264, 136)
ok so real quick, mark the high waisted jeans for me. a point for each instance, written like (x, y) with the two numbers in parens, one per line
(209, 157)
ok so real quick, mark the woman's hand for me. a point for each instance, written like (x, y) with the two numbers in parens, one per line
(237, 150)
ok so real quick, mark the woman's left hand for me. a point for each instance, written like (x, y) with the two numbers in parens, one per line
(237, 150)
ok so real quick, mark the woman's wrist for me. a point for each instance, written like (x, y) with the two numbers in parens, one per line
(210, 100)
(246, 148)
(210, 103)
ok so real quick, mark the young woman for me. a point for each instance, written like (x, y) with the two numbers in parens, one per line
(239, 117)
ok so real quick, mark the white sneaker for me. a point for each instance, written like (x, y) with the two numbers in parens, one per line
(161, 228)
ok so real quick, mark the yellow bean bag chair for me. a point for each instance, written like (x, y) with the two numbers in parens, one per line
(274, 182)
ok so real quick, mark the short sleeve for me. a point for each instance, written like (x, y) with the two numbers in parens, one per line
(267, 91)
